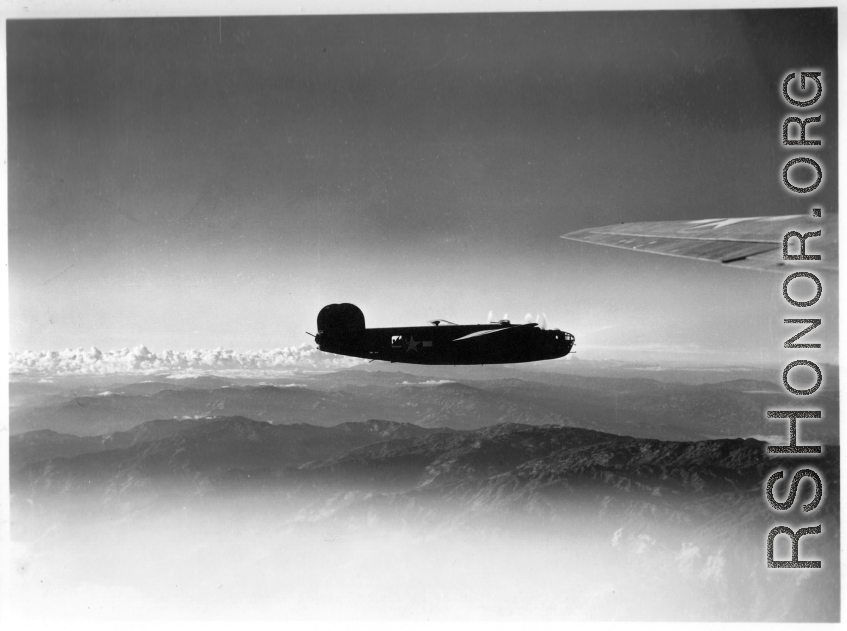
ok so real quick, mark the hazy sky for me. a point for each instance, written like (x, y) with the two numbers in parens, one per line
(190, 183)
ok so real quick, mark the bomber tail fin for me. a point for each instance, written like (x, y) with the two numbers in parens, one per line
(343, 316)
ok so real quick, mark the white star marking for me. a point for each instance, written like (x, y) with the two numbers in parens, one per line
(413, 345)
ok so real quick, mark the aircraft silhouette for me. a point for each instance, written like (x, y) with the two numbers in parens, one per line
(341, 330)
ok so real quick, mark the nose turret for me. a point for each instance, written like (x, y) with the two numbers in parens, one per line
(562, 342)
(568, 340)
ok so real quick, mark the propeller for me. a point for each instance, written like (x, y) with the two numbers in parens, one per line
(490, 316)
(541, 321)
(527, 318)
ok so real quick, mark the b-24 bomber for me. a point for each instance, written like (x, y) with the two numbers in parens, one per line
(342, 330)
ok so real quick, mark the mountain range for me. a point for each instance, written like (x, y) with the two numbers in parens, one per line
(519, 493)
(635, 407)
(512, 462)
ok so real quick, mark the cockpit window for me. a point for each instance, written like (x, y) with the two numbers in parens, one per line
(396, 341)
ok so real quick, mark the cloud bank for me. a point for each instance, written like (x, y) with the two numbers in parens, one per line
(140, 360)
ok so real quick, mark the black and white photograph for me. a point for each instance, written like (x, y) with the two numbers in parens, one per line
(454, 317)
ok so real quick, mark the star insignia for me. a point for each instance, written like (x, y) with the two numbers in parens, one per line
(413, 345)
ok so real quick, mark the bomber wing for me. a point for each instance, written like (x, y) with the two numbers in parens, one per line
(748, 242)
(477, 334)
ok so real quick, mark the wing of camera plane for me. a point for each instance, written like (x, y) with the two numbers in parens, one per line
(499, 333)
(746, 242)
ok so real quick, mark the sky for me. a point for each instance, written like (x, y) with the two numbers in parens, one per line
(213, 182)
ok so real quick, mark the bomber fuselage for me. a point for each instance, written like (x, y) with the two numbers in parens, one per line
(502, 343)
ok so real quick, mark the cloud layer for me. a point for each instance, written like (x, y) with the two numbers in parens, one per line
(143, 361)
